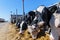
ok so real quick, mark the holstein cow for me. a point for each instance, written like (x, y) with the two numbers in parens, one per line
(46, 15)
(55, 25)
(41, 19)
(33, 29)
(23, 26)
(27, 21)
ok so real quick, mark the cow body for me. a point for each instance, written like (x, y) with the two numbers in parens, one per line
(55, 25)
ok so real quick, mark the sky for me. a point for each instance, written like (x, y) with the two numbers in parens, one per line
(6, 6)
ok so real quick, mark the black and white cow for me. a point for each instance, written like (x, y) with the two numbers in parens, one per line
(27, 21)
(46, 15)
(55, 25)
(33, 29)
(42, 18)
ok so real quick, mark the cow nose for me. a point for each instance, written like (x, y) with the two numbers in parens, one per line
(58, 26)
(34, 28)
(43, 24)
(40, 24)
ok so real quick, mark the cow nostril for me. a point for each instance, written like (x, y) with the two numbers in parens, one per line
(44, 24)
(59, 26)
(34, 28)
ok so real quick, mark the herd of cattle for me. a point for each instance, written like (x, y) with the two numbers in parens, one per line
(43, 18)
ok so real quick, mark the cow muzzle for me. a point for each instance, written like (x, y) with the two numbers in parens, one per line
(59, 26)
(40, 24)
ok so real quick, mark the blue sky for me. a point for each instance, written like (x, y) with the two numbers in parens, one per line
(6, 6)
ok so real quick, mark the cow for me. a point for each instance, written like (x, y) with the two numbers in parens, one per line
(55, 25)
(46, 16)
(41, 19)
(33, 29)
(26, 21)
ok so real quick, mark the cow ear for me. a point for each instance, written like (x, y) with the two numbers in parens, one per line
(52, 8)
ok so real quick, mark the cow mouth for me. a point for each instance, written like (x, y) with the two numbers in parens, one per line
(59, 26)
(59, 37)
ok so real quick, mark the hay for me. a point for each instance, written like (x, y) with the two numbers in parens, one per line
(14, 35)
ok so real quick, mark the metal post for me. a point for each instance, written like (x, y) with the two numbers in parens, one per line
(11, 17)
(23, 7)
(16, 15)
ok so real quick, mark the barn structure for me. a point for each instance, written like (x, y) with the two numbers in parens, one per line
(14, 17)
(2, 20)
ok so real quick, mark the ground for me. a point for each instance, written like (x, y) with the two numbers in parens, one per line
(8, 31)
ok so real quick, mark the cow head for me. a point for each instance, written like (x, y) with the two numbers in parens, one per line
(23, 27)
(30, 17)
(33, 31)
(40, 14)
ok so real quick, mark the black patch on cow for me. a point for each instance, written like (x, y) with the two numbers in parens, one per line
(30, 17)
(52, 9)
(24, 26)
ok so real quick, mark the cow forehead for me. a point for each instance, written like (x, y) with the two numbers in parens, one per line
(40, 9)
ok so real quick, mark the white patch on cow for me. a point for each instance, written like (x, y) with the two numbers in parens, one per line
(40, 23)
(40, 8)
(21, 24)
(51, 37)
(30, 29)
(33, 26)
(35, 18)
(34, 10)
